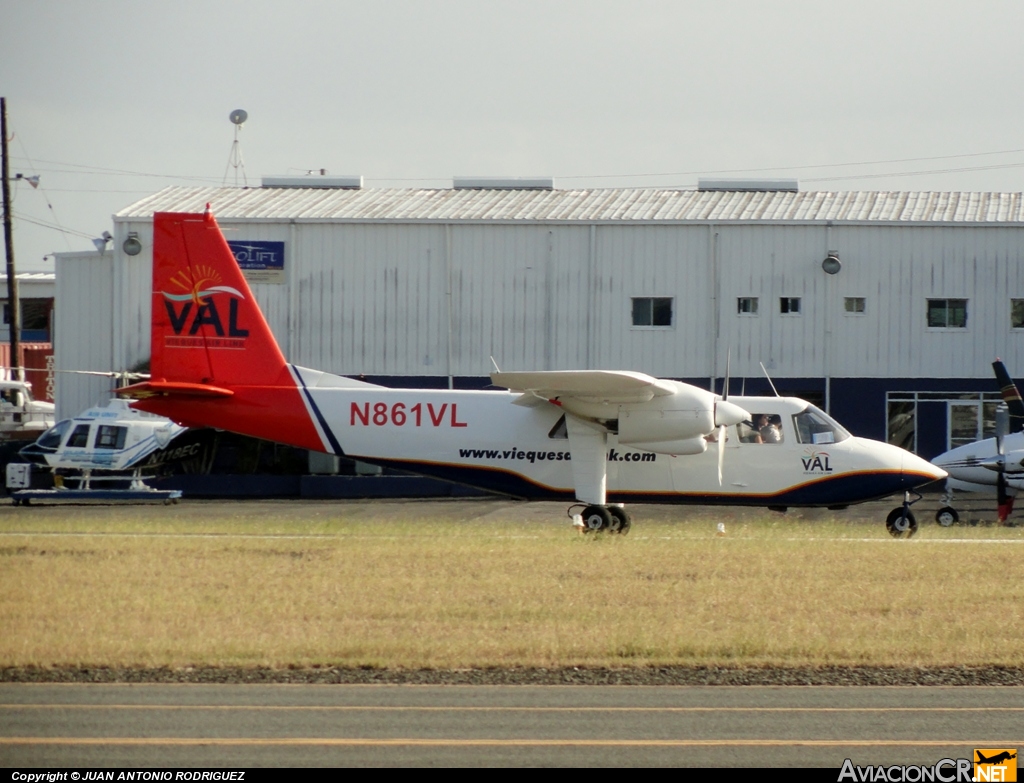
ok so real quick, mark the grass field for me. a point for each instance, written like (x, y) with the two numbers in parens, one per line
(491, 583)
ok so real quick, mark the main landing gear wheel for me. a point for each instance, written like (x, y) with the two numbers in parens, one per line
(596, 518)
(621, 520)
(947, 516)
(901, 523)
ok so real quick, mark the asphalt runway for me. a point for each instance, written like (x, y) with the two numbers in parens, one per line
(190, 726)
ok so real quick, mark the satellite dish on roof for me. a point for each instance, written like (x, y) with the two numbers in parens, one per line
(238, 116)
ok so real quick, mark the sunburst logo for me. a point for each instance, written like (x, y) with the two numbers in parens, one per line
(192, 306)
(198, 283)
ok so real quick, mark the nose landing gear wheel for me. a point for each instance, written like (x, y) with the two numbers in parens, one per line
(901, 523)
(947, 516)
(596, 518)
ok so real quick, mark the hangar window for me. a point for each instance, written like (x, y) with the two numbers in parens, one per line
(35, 318)
(746, 305)
(1017, 313)
(963, 416)
(652, 311)
(789, 305)
(947, 313)
(854, 305)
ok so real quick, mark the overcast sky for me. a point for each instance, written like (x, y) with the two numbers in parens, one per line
(110, 101)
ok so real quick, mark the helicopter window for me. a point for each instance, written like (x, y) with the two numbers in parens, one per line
(52, 437)
(814, 426)
(110, 437)
(79, 438)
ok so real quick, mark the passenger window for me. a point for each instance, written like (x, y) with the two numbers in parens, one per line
(767, 428)
(109, 437)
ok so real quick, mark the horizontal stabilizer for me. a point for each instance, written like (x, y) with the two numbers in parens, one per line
(181, 389)
(620, 385)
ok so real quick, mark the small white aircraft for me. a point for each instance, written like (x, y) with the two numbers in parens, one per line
(594, 438)
(990, 463)
(112, 437)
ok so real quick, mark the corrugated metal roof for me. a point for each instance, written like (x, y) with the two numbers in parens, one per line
(598, 205)
(32, 277)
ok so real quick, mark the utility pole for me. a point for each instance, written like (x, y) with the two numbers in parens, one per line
(13, 302)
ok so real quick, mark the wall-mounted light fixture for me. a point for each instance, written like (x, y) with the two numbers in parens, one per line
(832, 264)
(101, 242)
(132, 246)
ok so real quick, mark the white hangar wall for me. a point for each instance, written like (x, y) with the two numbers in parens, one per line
(896, 269)
(83, 326)
(374, 299)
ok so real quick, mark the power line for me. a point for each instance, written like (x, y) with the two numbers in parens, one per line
(52, 227)
(918, 173)
(801, 168)
(81, 168)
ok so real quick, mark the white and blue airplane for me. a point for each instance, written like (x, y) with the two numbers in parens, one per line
(989, 464)
(596, 439)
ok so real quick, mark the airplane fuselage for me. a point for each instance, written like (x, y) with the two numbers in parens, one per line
(483, 439)
(967, 469)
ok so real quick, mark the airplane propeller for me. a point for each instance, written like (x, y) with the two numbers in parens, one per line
(726, 414)
(1002, 429)
(1001, 462)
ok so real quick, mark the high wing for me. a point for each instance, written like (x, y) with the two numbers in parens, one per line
(648, 413)
(601, 386)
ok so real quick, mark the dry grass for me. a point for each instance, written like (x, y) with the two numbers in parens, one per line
(472, 585)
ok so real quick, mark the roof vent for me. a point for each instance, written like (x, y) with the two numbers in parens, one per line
(503, 183)
(749, 185)
(347, 182)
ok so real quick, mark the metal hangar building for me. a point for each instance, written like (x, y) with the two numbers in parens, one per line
(886, 308)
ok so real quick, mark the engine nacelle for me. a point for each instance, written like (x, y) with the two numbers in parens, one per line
(1011, 462)
(643, 425)
(677, 448)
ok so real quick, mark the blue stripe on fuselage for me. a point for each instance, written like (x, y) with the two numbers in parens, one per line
(319, 416)
(844, 489)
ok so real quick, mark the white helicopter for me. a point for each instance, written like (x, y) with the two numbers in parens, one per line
(98, 451)
(996, 462)
(594, 438)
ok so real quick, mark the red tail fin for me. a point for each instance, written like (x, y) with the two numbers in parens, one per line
(207, 327)
(214, 360)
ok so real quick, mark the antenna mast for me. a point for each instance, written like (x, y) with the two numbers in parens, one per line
(237, 117)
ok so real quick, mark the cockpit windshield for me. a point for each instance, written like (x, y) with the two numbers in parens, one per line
(813, 425)
(52, 437)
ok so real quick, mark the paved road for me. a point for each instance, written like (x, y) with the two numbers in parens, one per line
(339, 725)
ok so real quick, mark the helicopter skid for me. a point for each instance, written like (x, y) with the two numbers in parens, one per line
(25, 496)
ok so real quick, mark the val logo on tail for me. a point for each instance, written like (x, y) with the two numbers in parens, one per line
(597, 439)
